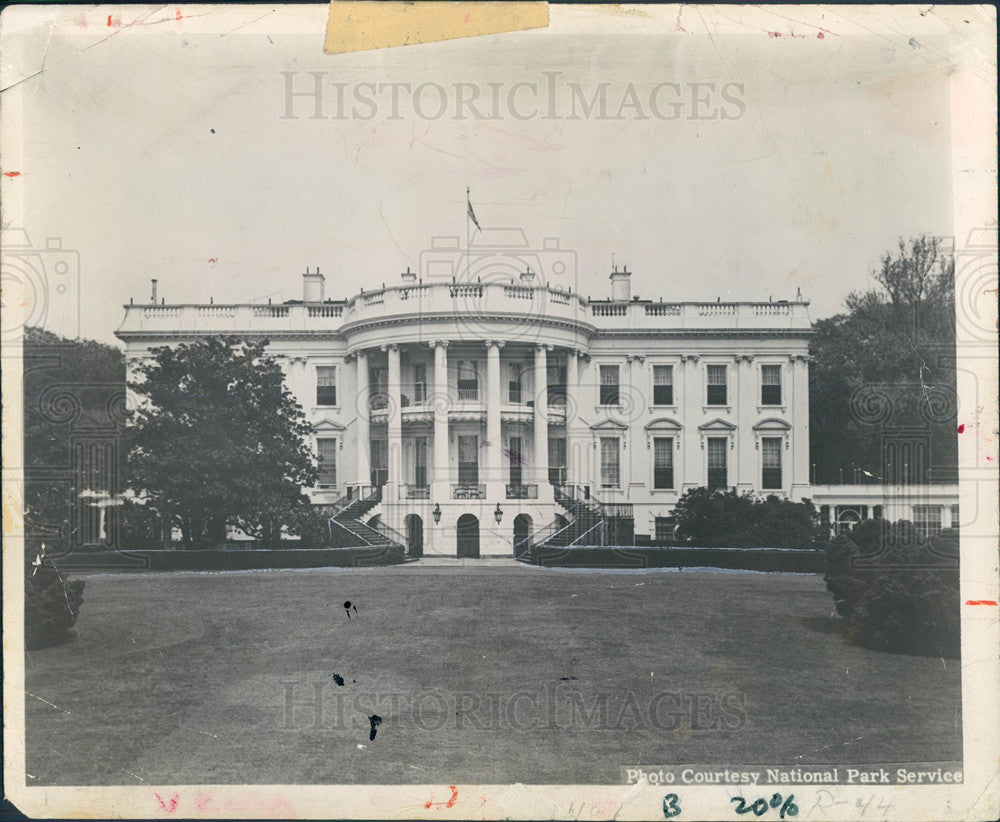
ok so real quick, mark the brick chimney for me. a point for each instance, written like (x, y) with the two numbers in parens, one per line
(313, 286)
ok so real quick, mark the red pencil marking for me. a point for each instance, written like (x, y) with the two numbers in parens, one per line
(12, 174)
(961, 428)
(429, 802)
(454, 796)
(170, 805)
(981, 602)
(179, 15)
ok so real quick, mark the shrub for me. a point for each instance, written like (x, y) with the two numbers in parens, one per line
(900, 592)
(139, 527)
(51, 605)
(312, 527)
(722, 519)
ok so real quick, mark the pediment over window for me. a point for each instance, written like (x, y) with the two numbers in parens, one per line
(772, 424)
(327, 426)
(609, 425)
(664, 424)
(717, 425)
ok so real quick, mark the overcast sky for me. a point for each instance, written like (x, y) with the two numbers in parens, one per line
(159, 150)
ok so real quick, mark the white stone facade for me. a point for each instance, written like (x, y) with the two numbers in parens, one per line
(466, 397)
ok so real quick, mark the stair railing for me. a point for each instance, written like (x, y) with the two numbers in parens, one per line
(541, 536)
(386, 531)
(353, 534)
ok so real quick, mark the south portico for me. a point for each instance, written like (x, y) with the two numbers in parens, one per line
(458, 436)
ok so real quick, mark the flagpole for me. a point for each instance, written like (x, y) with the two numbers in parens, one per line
(468, 234)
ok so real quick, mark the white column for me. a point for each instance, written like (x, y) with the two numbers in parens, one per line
(494, 441)
(745, 400)
(541, 437)
(694, 400)
(800, 425)
(441, 402)
(574, 473)
(363, 427)
(394, 420)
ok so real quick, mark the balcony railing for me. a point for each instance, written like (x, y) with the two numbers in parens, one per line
(418, 492)
(479, 298)
(462, 491)
(518, 491)
(468, 394)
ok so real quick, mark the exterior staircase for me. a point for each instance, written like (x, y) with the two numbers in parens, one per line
(348, 529)
(589, 522)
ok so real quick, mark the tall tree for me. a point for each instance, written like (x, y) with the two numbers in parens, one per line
(883, 375)
(219, 440)
(74, 409)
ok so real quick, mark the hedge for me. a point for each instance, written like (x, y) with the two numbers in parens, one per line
(897, 590)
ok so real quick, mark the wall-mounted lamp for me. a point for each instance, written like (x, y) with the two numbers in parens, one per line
(436, 513)
(498, 513)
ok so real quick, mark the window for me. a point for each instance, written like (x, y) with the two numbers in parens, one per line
(420, 462)
(770, 449)
(380, 462)
(515, 371)
(557, 461)
(716, 384)
(326, 385)
(556, 376)
(663, 462)
(718, 476)
(419, 384)
(609, 385)
(468, 380)
(326, 452)
(516, 461)
(664, 530)
(927, 519)
(954, 516)
(770, 385)
(377, 388)
(663, 385)
(468, 459)
(609, 459)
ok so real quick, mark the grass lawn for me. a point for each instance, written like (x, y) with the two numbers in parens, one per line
(489, 674)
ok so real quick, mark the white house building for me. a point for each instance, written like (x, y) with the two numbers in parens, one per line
(484, 409)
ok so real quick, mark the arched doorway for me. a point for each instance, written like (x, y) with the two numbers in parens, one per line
(414, 535)
(468, 536)
(522, 530)
(847, 518)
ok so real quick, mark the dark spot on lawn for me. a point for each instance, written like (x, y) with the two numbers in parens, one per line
(212, 130)
(566, 678)
(375, 720)
(339, 680)
(347, 605)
